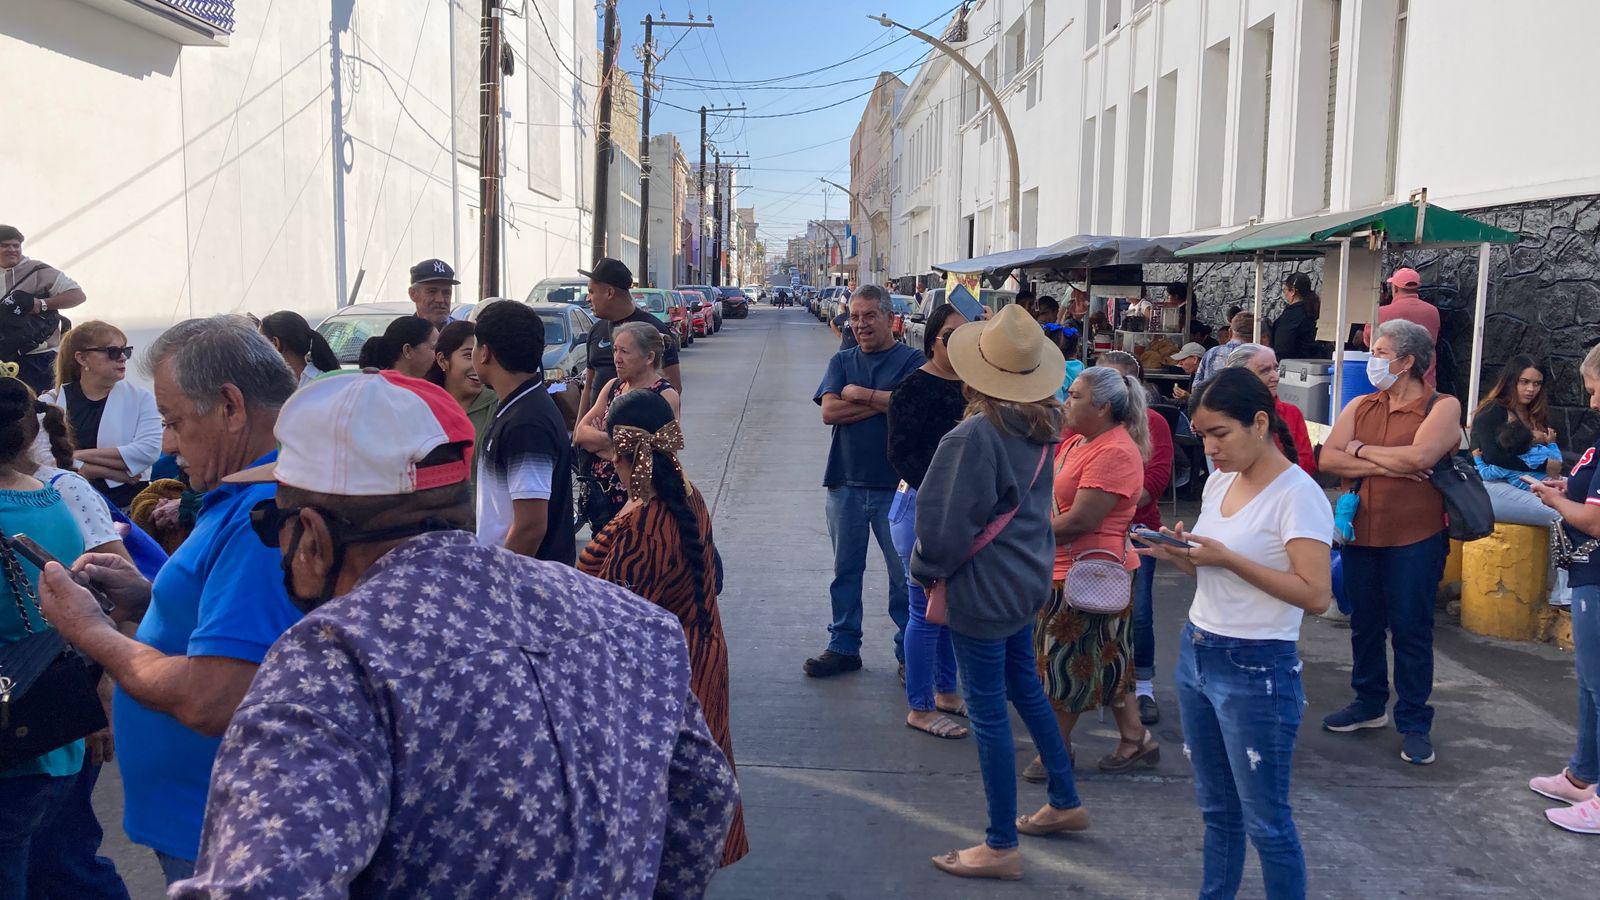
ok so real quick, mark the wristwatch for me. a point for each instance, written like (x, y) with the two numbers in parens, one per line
(44, 305)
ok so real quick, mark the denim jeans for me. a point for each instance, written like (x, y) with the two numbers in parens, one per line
(930, 660)
(1144, 620)
(65, 860)
(1241, 703)
(27, 803)
(174, 869)
(854, 513)
(1585, 764)
(993, 672)
(1391, 592)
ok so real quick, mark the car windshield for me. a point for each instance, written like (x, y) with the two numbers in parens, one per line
(559, 293)
(555, 328)
(902, 303)
(650, 301)
(731, 292)
(346, 334)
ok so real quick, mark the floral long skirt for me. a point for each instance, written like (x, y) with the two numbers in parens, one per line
(1083, 658)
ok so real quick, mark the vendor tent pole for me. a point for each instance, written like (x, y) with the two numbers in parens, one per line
(1255, 338)
(1341, 325)
(1477, 330)
(1086, 347)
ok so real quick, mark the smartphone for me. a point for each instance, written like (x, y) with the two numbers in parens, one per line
(965, 303)
(1147, 536)
(29, 549)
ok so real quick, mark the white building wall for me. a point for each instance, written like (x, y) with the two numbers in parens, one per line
(182, 181)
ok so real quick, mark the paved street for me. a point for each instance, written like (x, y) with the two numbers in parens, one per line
(842, 801)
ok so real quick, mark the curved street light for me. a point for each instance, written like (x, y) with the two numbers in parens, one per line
(871, 224)
(1014, 213)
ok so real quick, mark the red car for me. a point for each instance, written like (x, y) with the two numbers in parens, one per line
(700, 312)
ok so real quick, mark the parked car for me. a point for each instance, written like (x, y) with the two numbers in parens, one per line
(903, 304)
(561, 290)
(349, 328)
(566, 337)
(735, 305)
(714, 297)
(700, 320)
(681, 325)
(662, 304)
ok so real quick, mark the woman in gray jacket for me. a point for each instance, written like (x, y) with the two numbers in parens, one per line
(983, 529)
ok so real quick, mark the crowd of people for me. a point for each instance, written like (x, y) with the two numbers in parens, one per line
(334, 624)
(1011, 582)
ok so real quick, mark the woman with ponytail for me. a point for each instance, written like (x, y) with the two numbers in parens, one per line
(659, 546)
(1099, 474)
(406, 346)
(303, 347)
(1259, 556)
(1294, 335)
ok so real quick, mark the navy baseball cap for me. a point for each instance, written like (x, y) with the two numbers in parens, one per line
(433, 270)
(610, 271)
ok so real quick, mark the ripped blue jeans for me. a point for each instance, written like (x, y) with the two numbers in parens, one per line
(1241, 703)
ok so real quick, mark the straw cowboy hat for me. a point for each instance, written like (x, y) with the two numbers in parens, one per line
(1008, 357)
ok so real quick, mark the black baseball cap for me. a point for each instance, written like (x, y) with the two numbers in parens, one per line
(610, 271)
(433, 270)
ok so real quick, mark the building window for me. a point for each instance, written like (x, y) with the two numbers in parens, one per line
(1333, 105)
(1035, 30)
(1161, 162)
(1113, 15)
(1086, 178)
(1016, 47)
(1108, 170)
(1395, 95)
(1091, 25)
(1133, 204)
(1212, 127)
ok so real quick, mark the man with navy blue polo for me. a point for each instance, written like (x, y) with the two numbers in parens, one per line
(218, 604)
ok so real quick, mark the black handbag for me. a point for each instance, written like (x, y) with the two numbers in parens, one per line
(1466, 500)
(47, 688)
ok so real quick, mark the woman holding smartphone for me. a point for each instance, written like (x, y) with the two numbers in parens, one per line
(1259, 554)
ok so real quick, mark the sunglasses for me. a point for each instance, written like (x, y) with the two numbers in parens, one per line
(944, 337)
(112, 353)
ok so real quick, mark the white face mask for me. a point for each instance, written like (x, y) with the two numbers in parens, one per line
(1378, 373)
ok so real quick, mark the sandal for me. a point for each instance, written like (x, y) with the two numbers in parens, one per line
(1146, 755)
(942, 727)
(1035, 773)
(959, 710)
(1009, 870)
(1076, 820)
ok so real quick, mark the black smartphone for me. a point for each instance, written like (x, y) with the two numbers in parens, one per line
(1147, 536)
(965, 303)
(29, 549)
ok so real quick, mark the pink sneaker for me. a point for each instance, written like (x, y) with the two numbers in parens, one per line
(1559, 787)
(1581, 819)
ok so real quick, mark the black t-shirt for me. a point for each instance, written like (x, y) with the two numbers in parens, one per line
(84, 415)
(1294, 335)
(600, 359)
(1485, 439)
(922, 410)
(1582, 488)
(527, 455)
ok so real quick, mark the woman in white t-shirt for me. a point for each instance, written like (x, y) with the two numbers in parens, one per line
(1259, 554)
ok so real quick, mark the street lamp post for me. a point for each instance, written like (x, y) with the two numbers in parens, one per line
(1014, 214)
(872, 225)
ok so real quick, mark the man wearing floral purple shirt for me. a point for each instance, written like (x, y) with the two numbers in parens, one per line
(448, 719)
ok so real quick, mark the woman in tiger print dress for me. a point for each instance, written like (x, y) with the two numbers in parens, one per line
(659, 546)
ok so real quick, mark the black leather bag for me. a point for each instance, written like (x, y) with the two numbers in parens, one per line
(20, 329)
(47, 689)
(1466, 500)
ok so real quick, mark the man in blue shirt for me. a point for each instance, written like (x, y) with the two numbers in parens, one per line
(854, 396)
(218, 604)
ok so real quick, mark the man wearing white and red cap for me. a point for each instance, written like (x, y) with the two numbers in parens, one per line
(1411, 307)
(448, 718)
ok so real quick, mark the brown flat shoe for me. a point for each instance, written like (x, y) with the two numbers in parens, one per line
(1010, 870)
(1035, 773)
(1077, 819)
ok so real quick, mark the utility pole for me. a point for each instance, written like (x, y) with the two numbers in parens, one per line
(643, 274)
(489, 162)
(602, 144)
(700, 195)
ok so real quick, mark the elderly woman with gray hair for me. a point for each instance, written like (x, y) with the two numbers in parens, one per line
(1263, 362)
(1384, 445)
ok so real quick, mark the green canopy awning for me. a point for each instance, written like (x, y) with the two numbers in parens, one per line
(1440, 227)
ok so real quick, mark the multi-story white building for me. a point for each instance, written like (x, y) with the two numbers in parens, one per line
(206, 156)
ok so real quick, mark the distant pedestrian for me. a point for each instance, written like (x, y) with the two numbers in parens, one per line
(1259, 553)
(1408, 304)
(1294, 335)
(983, 538)
(32, 295)
(637, 350)
(115, 423)
(611, 297)
(1384, 445)
(1185, 362)
(219, 602)
(432, 289)
(923, 409)
(854, 396)
(304, 349)
(1262, 362)
(1046, 311)
(525, 463)
(1242, 328)
(447, 716)
(660, 547)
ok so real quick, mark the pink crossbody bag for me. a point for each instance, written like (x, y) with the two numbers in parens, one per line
(938, 610)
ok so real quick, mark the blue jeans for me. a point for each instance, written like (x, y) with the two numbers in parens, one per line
(27, 804)
(1144, 620)
(65, 860)
(1391, 592)
(993, 672)
(1241, 702)
(1585, 764)
(930, 660)
(854, 513)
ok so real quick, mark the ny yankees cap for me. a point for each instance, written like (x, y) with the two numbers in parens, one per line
(433, 270)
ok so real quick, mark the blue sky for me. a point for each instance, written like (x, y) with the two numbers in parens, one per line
(766, 39)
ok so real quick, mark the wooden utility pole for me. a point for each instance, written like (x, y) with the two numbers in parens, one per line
(602, 144)
(642, 276)
(489, 159)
